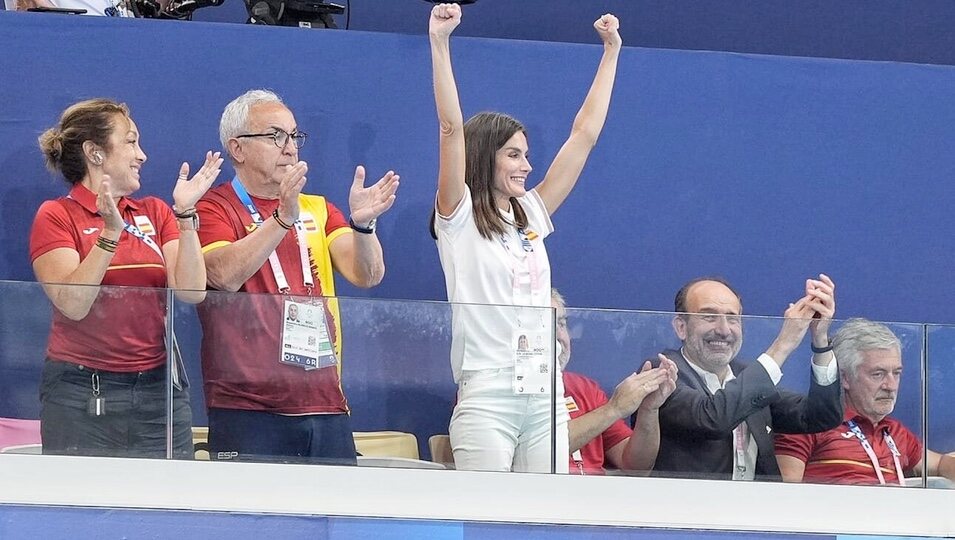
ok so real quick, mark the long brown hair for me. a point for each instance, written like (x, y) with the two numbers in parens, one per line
(484, 134)
(90, 120)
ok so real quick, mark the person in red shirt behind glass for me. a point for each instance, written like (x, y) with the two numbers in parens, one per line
(599, 438)
(868, 447)
(103, 390)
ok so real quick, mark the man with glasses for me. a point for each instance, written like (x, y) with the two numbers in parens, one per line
(868, 447)
(720, 420)
(272, 381)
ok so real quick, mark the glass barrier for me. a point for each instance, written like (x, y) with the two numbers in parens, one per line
(702, 432)
(310, 380)
(303, 380)
(88, 378)
(939, 413)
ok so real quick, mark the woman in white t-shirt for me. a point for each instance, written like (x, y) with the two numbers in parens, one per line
(490, 231)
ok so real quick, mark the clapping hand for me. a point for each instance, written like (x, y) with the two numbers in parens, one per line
(367, 203)
(106, 205)
(188, 191)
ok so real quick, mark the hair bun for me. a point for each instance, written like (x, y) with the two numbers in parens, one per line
(51, 143)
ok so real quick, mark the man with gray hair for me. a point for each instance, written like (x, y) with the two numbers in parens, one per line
(272, 381)
(869, 447)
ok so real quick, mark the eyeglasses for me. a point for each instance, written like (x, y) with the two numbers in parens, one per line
(280, 137)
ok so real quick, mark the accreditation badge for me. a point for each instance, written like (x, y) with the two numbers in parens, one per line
(306, 342)
(532, 362)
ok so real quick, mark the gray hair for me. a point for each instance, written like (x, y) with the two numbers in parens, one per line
(557, 298)
(235, 117)
(857, 336)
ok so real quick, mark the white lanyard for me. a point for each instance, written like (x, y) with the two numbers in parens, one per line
(579, 461)
(740, 445)
(280, 280)
(854, 428)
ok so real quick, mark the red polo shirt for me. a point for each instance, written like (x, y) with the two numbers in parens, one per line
(584, 395)
(242, 333)
(124, 330)
(837, 457)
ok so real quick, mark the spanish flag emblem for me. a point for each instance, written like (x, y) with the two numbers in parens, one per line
(144, 225)
(571, 404)
(308, 221)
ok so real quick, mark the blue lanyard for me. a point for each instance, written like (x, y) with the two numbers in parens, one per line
(134, 230)
(525, 241)
(277, 271)
(246, 200)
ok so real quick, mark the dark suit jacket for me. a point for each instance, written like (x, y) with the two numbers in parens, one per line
(696, 427)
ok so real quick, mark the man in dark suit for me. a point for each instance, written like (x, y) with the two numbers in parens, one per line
(719, 422)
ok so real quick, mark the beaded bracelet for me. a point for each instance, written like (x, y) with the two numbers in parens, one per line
(107, 245)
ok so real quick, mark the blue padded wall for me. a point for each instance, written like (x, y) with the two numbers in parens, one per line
(762, 169)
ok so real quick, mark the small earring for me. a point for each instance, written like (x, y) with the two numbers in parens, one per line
(97, 158)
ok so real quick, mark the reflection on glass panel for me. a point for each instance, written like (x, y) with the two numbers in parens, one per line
(313, 380)
(378, 383)
(940, 415)
(879, 440)
(603, 355)
(97, 377)
(727, 419)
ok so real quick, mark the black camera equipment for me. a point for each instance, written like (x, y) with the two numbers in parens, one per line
(180, 10)
(302, 13)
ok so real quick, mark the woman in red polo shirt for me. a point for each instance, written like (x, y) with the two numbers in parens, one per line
(104, 381)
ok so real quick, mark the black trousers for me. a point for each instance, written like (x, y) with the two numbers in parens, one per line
(133, 423)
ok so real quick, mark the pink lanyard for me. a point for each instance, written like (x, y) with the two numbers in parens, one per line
(526, 267)
(871, 453)
(739, 436)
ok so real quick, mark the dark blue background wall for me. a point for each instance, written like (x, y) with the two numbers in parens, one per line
(762, 169)
(859, 29)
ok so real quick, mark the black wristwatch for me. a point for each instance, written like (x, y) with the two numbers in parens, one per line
(370, 229)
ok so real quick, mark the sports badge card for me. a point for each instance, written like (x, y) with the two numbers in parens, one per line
(305, 338)
(531, 363)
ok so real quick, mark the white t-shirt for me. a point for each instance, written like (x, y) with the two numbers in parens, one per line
(482, 271)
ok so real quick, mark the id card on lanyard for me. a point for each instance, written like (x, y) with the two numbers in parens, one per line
(531, 343)
(531, 363)
(305, 344)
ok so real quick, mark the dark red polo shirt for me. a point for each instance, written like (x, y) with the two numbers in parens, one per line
(584, 395)
(837, 457)
(124, 330)
(242, 332)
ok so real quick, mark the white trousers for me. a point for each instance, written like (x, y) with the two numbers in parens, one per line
(494, 430)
